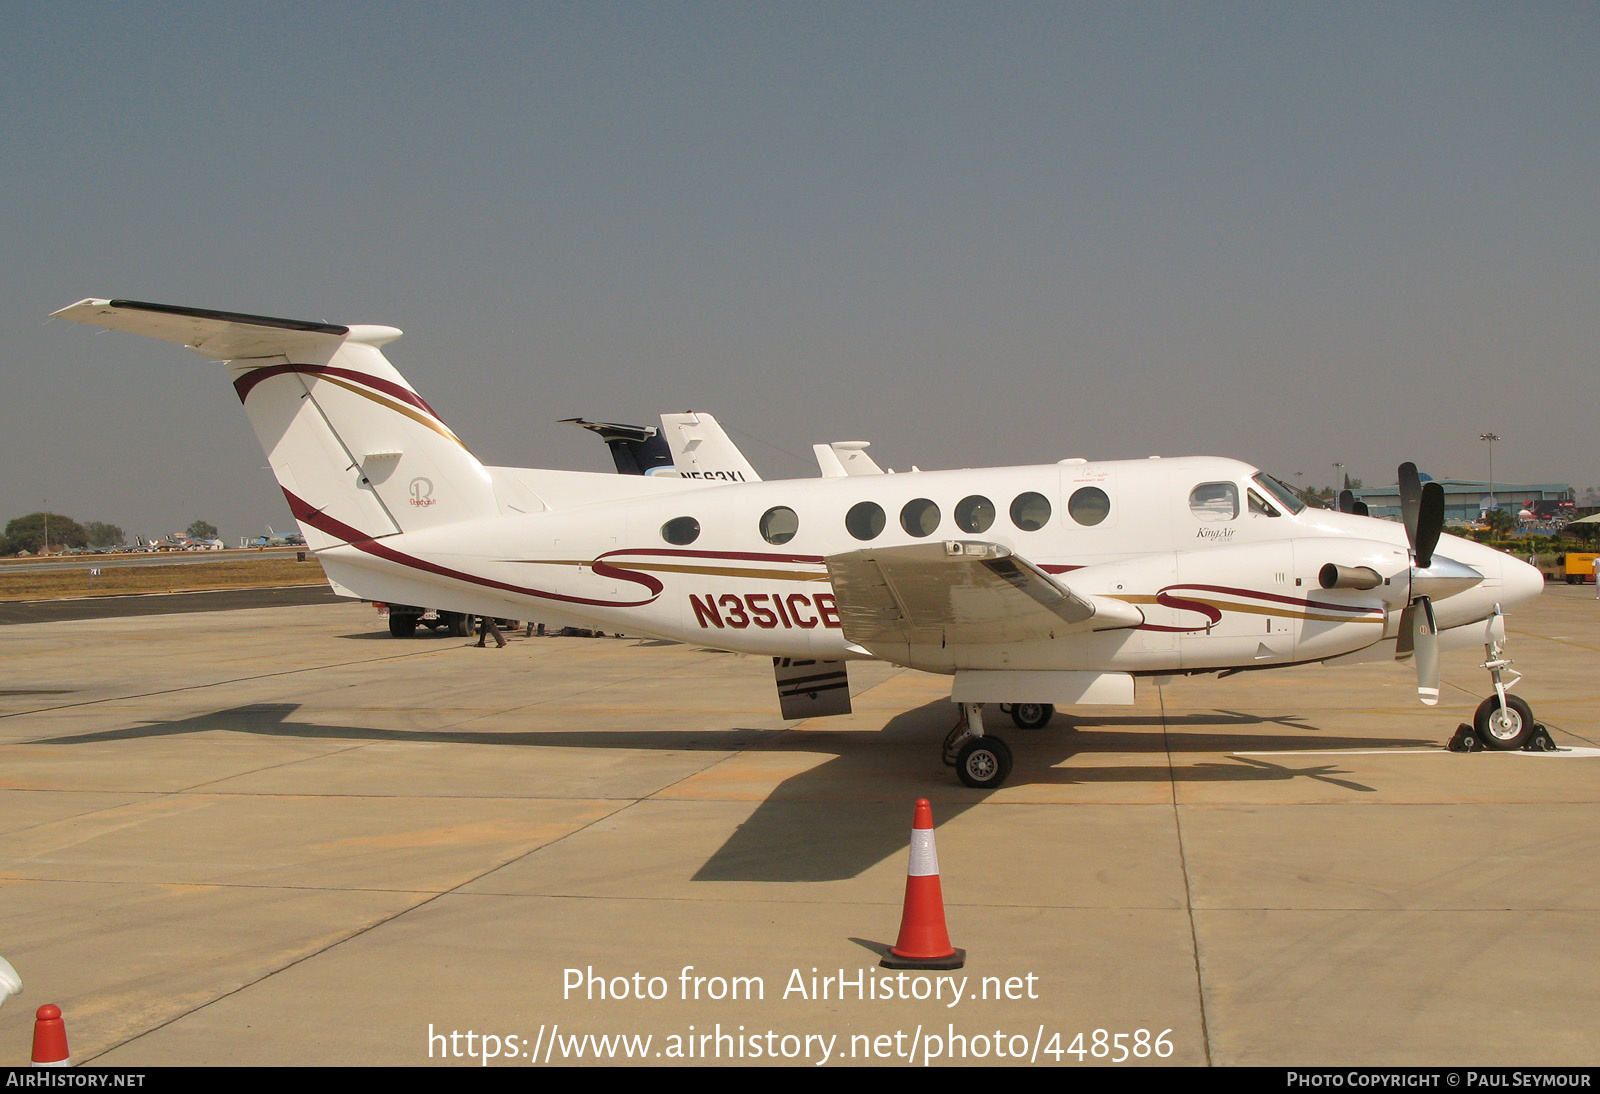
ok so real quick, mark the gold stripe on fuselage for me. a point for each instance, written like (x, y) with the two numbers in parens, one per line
(399, 408)
(1367, 615)
(684, 568)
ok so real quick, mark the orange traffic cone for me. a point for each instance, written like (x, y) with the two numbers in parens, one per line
(50, 1038)
(924, 942)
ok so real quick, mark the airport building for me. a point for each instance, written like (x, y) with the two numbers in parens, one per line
(1468, 499)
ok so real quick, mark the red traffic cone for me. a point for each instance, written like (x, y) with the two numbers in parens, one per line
(50, 1038)
(924, 942)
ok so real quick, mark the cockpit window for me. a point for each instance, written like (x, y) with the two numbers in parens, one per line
(1214, 501)
(1284, 496)
(1261, 506)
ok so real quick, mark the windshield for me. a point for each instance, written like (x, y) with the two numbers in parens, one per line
(1281, 493)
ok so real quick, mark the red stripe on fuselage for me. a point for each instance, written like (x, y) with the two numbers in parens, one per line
(245, 383)
(358, 539)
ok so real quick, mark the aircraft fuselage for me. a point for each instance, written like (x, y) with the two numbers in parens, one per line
(1223, 573)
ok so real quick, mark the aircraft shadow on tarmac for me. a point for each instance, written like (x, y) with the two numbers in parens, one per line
(842, 816)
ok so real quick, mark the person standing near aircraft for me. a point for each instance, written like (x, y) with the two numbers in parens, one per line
(486, 627)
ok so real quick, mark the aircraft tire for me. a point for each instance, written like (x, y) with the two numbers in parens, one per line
(1503, 730)
(457, 625)
(402, 626)
(1032, 715)
(984, 763)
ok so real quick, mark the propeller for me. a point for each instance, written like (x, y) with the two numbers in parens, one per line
(1422, 508)
(1349, 503)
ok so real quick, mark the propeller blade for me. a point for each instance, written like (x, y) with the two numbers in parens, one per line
(1430, 523)
(1422, 506)
(1405, 642)
(1410, 500)
(1425, 640)
(1347, 501)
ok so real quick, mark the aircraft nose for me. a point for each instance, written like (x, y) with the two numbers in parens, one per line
(1520, 582)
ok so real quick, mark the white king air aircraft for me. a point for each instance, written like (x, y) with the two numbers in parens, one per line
(1030, 586)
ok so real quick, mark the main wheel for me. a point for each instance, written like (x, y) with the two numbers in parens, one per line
(456, 625)
(402, 626)
(1032, 715)
(1507, 729)
(984, 763)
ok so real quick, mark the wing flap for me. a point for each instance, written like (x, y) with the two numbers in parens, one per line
(960, 592)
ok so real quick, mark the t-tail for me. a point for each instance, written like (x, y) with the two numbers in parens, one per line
(357, 451)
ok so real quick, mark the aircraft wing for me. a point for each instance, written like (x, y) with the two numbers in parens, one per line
(960, 592)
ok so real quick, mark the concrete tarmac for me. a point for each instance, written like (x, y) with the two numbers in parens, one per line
(214, 600)
(278, 836)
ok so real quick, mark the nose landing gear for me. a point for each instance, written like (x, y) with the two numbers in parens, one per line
(1502, 722)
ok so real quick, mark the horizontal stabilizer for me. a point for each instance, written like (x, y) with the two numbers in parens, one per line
(635, 449)
(222, 335)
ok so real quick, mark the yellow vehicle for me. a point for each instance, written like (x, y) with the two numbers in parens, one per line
(1580, 567)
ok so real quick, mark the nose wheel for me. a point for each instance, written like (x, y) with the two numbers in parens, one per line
(1503, 728)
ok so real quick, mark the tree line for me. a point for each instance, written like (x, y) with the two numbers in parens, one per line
(29, 533)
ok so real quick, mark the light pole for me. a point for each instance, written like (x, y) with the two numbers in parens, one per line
(1338, 483)
(1491, 438)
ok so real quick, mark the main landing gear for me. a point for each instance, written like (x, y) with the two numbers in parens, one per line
(1029, 715)
(1503, 722)
(981, 762)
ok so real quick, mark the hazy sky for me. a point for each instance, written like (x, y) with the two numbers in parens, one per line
(972, 234)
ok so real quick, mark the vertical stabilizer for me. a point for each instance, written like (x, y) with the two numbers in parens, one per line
(357, 451)
(702, 450)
